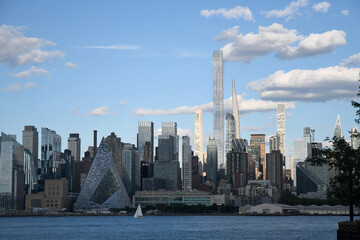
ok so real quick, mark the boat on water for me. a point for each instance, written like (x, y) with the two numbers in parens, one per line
(138, 213)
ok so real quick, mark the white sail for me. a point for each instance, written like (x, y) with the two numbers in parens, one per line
(138, 213)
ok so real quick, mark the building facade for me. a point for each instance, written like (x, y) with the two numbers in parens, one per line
(235, 111)
(274, 169)
(30, 141)
(259, 140)
(281, 127)
(198, 136)
(145, 141)
(212, 161)
(218, 101)
(186, 164)
(230, 130)
(337, 128)
(74, 145)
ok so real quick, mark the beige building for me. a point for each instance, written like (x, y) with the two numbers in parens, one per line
(54, 198)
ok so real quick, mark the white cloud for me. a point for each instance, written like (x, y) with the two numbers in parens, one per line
(228, 33)
(17, 49)
(32, 71)
(123, 102)
(116, 47)
(345, 12)
(180, 131)
(289, 11)
(17, 87)
(276, 38)
(236, 13)
(352, 61)
(321, 7)
(101, 111)
(70, 65)
(314, 44)
(318, 85)
(245, 106)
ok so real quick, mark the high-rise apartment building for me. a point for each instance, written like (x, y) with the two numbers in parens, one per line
(145, 135)
(337, 128)
(274, 169)
(274, 142)
(355, 138)
(212, 161)
(186, 164)
(230, 128)
(198, 136)
(281, 127)
(30, 141)
(115, 145)
(259, 140)
(218, 105)
(235, 110)
(74, 145)
(50, 155)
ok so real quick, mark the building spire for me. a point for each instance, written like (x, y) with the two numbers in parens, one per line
(235, 111)
(337, 128)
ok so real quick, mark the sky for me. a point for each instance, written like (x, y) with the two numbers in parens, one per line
(76, 66)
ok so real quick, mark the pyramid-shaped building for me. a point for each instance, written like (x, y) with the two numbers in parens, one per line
(103, 187)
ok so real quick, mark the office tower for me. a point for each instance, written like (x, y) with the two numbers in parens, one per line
(259, 140)
(147, 172)
(131, 162)
(115, 145)
(274, 142)
(301, 150)
(237, 166)
(30, 141)
(212, 161)
(170, 128)
(281, 128)
(229, 132)
(50, 155)
(30, 171)
(274, 169)
(313, 149)
(186, 164)
(103, 187)
(74, 145)
(167, 168)
(95, 142)
(218, 103)
(145, 139)
(235, 110)
(254, 155)
(198, 136)
(67, 169)
(292, 166)
(337, 128)
(355, 138)
(12, 177)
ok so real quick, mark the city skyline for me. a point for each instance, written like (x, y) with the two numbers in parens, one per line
(75, 75)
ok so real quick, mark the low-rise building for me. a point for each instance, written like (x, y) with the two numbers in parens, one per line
(155, 198)
(268, 208)
(54, 198)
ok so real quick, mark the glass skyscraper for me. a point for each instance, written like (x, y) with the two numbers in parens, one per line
(145, 134)
(186, 164)
(229, 131)
(50, 154)
(218, 105)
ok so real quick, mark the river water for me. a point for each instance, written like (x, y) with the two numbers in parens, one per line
(171, 227)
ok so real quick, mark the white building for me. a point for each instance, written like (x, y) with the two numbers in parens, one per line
(198, 136)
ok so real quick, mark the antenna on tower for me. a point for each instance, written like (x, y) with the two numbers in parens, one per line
(312, 135)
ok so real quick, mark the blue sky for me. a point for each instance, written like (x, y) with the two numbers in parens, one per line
(75, 66)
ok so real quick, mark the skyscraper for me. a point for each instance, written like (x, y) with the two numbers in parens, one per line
(274, 142)
(337, 128)
(186, 164)
(212, 161)
(230, 126)
(145, 134)
(74, 145)
(170, 129)
(235, 110)
(198, 136)
(355, 138)
(12, 177)
(259, 140)
(131, 163)
(50, 155)
(115, 145)
(30, 141)
(300, 150)
(274, 169)
(281, 128)
(218, 107)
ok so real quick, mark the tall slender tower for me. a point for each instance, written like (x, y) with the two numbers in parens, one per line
(74, 145)
(229, 131)
(186, 164)
(235, 111)
(218, 104)
(281, 127)
(199, 136)
(30, 140)
(337, 128)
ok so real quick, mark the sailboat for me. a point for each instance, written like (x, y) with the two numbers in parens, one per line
(138, 213)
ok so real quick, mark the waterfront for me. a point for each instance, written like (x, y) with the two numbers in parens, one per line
(171, 227)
